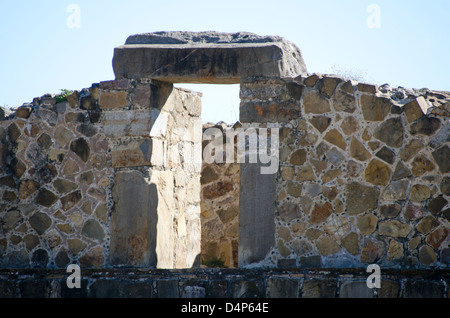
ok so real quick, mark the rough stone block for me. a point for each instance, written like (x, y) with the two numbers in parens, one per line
(136, 153)
(423, 289)
(319, 288)
(111, 100)
(126, 123)
(168, 288)
(282, 288)
(355, 289)
(247, 289)
(206, 57)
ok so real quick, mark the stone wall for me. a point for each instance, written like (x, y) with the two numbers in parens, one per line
(108, 177)
(220, 208)
(364, 172)
(224, 284)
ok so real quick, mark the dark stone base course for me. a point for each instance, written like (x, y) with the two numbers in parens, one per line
(224, 283)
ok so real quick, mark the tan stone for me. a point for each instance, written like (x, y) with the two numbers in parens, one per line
(321, 123)
(375, 108)
(358, 151)
(335, 138)
(313, 234)
(93, 258)
(63, 136)
(287, 173)
(366, 224)
(314, 103)
(337, 227)
(109, 100)
(351, 243)
(27, 188)
(282, 249)
(327, 246)
(438, 236)
(394, 228)
(377, 173)
(421, 165)
(349, 125)
(294, 189)
(330, 175)
(320, 213)
(419, 193)
(306, 174)
(76, 246)
(395, 250)
(413, 243)
(361, 198)
(372, 251)
(65, 228)
(301, 246)
(416, 109)
(427, 224)
(298, 157)
(298, 228)
(411, 149)
(284, 233)
(354, 168)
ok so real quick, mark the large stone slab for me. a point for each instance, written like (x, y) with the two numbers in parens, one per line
(206, 57)
(257, 214)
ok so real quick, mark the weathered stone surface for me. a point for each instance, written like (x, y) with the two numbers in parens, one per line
(257, 208)
(445, 185)
(344, 101)
(425, 126)
(395, 250)
(289, 211)
(386, 155)
(411, 149)
(438, 236)
(427, 224)
(351, 243)
(358, 151)
(64, 186)
(46, 198)
(206, 57)
(320, 213)
(298, 157)
(423, 289)
(372, 251)
(70, 200)
(10, 220)
(93, 230)
(208, 175)
(282, 288)
(416, 109)
(27, 188)
(217, 189)
(125, 123)
(442, 158)
(335, 138)
(367, 88)
(306, 173)
(396, 190)
(327, 85)
(76, 246)
(413, 212)
(349, 125)
(93, 258)
(314, 103)
(394, 228)
(427, 256)
(361, 198)
(377, 173)
(421, 165)
(437, 204)
(419, 193)
(311, 80)
(136, 153)
(81, 148)
(321, 123)
(366, 224)
(390, 211)
(39, 258)
(355, 290)
(31, 241)
(327, 246)
(112, 100)
(40, 222)
(319, 288)
(375, 108)
(301, 246)
(390, 132)
(401, 171)
(24, 112)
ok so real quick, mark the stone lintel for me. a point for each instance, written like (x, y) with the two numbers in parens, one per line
(202, 60)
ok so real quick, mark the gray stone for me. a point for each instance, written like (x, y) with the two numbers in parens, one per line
(442, 158)
(39, 259)
(133, 221)
(356, 289)
(81, 148)
(206, 57)
(390, 211)
(71, 200)
(423, 289)
(325, 288)
(390, 132)
(93, 229)
(361, 198)
(40, 222)
(257, 213)
(425, 126)
(64, 186)
(10, 220)
(445, 185)
(167, 288)
(282, 288)
(386, 154)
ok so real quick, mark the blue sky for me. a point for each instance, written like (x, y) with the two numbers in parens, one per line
(42, 54)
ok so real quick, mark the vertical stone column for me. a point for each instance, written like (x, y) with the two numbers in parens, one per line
(265, 103)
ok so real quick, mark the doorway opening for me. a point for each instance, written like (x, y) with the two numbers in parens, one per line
(220, 182)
